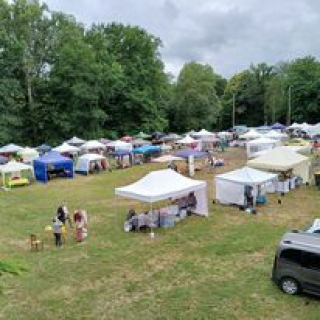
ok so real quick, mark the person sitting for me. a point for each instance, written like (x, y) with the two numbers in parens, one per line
(192, 202)
(173, 166)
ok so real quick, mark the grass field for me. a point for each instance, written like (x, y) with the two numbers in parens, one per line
(204, 268)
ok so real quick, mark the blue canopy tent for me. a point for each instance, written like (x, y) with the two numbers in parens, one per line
(147, 149)
(186, 153)
(52, 163)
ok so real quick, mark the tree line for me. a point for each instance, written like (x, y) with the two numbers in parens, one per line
(59, 79)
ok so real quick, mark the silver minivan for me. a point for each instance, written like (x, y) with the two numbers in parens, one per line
(296, 266)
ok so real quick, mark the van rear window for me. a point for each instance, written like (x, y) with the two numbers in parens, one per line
(291, 255)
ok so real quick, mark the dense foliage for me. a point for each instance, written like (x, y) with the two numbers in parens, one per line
(60, 79)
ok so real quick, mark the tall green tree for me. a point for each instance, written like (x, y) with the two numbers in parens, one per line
(196, 102)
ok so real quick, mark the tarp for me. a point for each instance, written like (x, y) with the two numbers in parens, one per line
(52, 161)
(230, 186)
(257, 145)
(66, 148)
(164, 184)
(10, 148)
(92, 145)
(83, 163)
(282, 159)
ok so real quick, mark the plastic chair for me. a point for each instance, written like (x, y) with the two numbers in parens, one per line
(35, 243)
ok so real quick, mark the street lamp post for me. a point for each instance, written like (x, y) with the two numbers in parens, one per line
(289, 107)
(233, 109)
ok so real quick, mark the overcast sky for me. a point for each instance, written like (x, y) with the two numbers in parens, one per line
(227, 34)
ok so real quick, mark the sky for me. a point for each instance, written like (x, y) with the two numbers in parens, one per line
(227, 34)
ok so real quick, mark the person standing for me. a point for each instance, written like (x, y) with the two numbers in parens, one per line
(63, 214)
(79, 225)
(57, 231)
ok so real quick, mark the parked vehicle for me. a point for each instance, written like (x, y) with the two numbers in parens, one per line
(314, 227)
(296, 266)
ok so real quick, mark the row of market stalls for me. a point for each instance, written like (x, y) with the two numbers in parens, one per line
(278, 170)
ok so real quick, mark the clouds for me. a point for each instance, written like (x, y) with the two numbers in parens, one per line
(228, 34)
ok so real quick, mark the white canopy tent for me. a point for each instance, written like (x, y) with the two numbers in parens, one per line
(83, 163)
(164, 184)
(251, 134)
(66, 148)
(14, 168)
(282, 159)
(186, 140)
(120, 145)
(257, 145)
(28, 154)
(230, 186)
(10, 148)
(75, 141)
(92, 145)
(272, 134)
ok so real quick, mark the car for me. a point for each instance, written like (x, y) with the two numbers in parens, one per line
(314, 227)
(296, 266)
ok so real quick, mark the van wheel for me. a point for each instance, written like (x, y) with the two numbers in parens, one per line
(289, 286)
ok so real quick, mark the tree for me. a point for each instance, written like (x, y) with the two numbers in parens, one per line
(196, 102)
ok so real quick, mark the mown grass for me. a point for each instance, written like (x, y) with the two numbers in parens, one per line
(214, 268)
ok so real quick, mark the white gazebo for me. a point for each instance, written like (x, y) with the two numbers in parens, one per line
(261, 144)
(93, 145)
(251, 134)
(120, 145)
(84, 162)
(75, 141)
(28, 154)
(187, 140)
(164, 184)
(272, 134)
(230, 186)
(10, 148)
(66, 148)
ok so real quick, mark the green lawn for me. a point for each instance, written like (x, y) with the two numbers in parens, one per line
(204, 268)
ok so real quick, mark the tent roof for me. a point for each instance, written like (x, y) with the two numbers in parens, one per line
(146, 149)
(52, 157)
(190, 152)
(143, 135)
(278, 125)
(76, 140)
(247, 176)
(160, 185)
(28, 151)
(275, 134)
(202, 133)
(187, 140)
(44, 147)
(93, 144)
(13, 166)
(167, 158)
(92, 156)
(171, 136)
(262, 140)
(280, 159)
(118, 144)
(10, 148)
(65, 148)
(251, 134)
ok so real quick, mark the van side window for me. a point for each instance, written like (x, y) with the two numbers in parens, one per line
(291, 255)
(311, 261)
